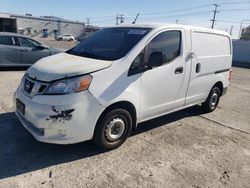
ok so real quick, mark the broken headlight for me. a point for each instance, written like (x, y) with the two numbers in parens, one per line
(69, 85)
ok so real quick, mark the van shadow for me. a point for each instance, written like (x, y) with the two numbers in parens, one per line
(20, 153)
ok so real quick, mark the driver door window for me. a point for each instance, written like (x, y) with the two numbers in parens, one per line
(169, 43)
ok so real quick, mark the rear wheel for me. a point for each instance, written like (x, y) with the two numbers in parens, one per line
(113, 128)
(213, 100)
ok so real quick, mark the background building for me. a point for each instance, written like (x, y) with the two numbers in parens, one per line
(241, 53)
(44, 26)
(245, 33)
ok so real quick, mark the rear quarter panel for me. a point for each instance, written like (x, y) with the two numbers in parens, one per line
(213, 51)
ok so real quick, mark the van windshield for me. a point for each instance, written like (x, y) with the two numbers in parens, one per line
(110, 43)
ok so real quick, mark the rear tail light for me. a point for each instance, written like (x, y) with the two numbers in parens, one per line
(230, 75)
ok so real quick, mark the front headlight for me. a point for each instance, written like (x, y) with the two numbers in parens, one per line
(69, 85)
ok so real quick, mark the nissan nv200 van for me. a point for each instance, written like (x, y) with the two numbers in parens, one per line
(121, 76)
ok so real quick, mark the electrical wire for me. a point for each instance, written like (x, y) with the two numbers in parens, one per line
(231, 3)
(180, 15)
(178, 10)
(226, 10)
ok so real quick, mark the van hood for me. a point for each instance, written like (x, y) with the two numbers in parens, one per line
(64, 65)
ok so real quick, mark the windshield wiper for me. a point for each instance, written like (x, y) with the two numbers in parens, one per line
(84, 54)
(90, 55)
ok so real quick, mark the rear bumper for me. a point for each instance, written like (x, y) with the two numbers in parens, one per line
(63, 119)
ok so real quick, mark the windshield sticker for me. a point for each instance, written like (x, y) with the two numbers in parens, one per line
(136, 32)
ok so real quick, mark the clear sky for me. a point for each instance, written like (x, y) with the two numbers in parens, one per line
(103, 12)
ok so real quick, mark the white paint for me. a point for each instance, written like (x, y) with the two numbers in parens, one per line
(153, 93)
(64, 65)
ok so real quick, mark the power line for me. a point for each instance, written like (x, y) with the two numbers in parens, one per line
(178, 10)
(180, 15)
(201, 21)
(231, 3)
(120, 17)
(239, 9)
(155, 13)
(101, 17)
(103, 21)
(228, 21)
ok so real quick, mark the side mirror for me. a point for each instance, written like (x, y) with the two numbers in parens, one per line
(155, 59)
(40, 47)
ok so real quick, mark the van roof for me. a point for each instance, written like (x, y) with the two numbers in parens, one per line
(169, 25)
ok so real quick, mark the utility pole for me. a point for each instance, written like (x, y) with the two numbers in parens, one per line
(231, 30)
(87, 25)
(116, 22)
(87, 22)
(215, 12)
(59, 26)
(119, 19)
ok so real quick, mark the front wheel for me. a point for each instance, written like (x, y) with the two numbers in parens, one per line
(213, 100)
(113, 128)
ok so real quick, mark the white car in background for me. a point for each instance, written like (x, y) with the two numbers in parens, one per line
(65, 37)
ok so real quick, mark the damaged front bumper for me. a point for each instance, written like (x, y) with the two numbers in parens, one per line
(59, 119)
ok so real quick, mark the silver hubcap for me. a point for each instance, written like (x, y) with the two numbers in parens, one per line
(114, 129)
(214, 99)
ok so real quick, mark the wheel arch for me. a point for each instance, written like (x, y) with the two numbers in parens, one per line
(219, 84)
(124, 105)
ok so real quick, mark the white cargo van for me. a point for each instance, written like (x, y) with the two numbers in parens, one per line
(121, 76)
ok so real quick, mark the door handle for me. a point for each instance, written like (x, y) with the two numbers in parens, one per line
(198, 68)
(179, 70)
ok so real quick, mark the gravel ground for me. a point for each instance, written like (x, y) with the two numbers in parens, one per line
(183, 149)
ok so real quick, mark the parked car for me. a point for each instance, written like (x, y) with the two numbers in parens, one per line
(84, 36)
(19, 50)
(66, 37)
(121, 76)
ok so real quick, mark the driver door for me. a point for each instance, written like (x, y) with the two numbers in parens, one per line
(163, 88)
(29, 53)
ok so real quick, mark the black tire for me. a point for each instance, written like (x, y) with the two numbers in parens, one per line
(212, 100)
(109, 119)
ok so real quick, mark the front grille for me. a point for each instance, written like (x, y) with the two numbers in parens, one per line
(33, 87)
